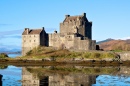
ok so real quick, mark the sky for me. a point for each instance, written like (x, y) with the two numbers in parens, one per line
(110, 18)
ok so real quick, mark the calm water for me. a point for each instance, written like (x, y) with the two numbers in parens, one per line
(11, 76)
(64, 76)
(14, 55)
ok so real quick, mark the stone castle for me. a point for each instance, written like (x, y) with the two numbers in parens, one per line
(75, 34)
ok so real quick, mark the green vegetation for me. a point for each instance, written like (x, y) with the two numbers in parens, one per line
(45, 52)
(3, 55)
(117, 50)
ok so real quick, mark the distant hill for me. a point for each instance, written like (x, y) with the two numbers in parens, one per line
(115, 45)
(10, 49)
(109, 39)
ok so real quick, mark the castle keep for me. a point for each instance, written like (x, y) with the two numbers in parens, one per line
(75, 34)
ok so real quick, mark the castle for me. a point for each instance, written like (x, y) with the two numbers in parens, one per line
(75, 34)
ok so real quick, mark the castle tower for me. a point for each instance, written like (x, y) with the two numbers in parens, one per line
(79, 23)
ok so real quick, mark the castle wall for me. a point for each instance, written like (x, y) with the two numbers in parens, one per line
(67, 41)
(88, 29)
(72, 27)
(43, 38)
(63, 41)
(29, 42)
(93, 46)
(54, 40)
(81, 44)
(70, 41)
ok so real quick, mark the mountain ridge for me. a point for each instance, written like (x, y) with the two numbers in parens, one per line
(115, 44)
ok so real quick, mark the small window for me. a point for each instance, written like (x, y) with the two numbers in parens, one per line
(34, 40)
(24, 40)
(34, 35)
(30, 40)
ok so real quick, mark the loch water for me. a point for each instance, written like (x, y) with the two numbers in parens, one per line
(64, 76)
(14, 55)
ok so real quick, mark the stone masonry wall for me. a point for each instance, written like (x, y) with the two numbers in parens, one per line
(29, 42)
(88, 30)
(61, 40)
(70, 42)
(71, 27)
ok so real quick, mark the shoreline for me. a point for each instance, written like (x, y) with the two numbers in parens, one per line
(24, 62)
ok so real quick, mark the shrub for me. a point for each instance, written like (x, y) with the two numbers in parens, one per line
(29, 53)
(3, 55)
(3, 66)
(87, 55)
(96, 55)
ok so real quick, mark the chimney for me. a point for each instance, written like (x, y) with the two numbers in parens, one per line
(43, 28)
(27, 30)
(84, 14)
(55, 31)
(67, 16)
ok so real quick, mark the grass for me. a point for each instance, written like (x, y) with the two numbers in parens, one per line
(3, 55)
(48, 52)
(117, 50)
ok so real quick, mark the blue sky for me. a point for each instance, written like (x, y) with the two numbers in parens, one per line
(111, 18)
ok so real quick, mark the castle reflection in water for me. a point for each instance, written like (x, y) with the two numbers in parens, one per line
(57, 79)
